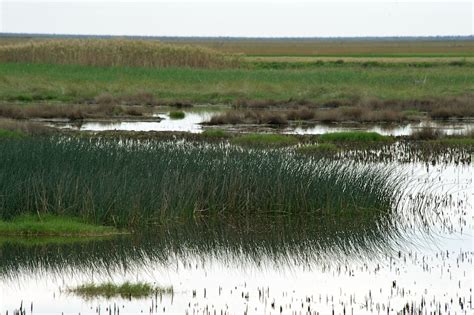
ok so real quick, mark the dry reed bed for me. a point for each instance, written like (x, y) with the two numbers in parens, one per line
(129, 53)
(279, 112)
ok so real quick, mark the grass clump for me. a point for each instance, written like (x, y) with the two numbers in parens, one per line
(11, 134)
(177, 115)
(125, 290)
(49, 225)
(357, 136)
(215, 133)
(264, 139)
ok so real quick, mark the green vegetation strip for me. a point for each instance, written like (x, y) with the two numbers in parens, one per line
(318, 148)
(11, 134)
(215, 133)
(356, 136)
(74, 83)
(125, 290)
(48, 225)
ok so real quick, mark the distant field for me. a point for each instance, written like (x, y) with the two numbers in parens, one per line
(340, 48)
(321, 48)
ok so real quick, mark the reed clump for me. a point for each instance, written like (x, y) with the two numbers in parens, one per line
(126, 183)
(124, 290)
(108, 52)
(235, 117)
(177, 114)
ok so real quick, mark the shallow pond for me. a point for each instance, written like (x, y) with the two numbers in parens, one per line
(420, 257)
(193, 119)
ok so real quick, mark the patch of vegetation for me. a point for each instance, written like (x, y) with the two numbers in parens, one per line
(318, 148)
(356, 136)
(125, 290)
(49, 225)
(264, 139)
(215, 133)
(177, 115)
(236, 117)
(11, 134)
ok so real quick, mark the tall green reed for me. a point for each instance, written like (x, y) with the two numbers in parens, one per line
(129, 182)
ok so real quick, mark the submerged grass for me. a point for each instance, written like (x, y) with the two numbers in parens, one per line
(126, 183)
(48, 225)
(125, 290)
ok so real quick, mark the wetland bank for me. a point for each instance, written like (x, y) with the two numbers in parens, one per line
(190, 180)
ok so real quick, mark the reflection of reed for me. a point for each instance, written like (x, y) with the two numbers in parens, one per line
(281, 240)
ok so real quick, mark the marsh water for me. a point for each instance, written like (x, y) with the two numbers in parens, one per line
(192, 122)
(418, 257)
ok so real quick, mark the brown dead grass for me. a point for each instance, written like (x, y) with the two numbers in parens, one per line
(235, 117)
(366, 110)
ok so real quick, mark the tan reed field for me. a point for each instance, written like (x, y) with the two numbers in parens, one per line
(115, 52)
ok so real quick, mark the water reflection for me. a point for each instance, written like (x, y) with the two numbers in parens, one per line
(285, 240)
(417, 257)
(447, 128)
(192, 122)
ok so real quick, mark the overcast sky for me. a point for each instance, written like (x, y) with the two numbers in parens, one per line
(239, 18)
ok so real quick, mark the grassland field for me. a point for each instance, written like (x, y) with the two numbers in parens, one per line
(36, 70)
(75, 83)
(325, 80)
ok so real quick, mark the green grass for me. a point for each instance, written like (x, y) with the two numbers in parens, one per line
(359, 136)
(177, 115)
(125, 290)
(11, 134)
(130, 183)
(215, 133)
(71, 83)
(49, 225)
(264, 139)
(318, 148)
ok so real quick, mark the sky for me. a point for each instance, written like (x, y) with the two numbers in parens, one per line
(231, 18)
